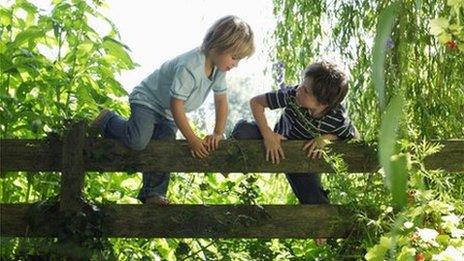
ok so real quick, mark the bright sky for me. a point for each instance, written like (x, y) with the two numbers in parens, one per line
(157, 31)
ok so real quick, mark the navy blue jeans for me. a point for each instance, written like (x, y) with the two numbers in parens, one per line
(143, 125)
(306, 186)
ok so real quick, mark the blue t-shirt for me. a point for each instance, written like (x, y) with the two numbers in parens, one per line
(183, 78)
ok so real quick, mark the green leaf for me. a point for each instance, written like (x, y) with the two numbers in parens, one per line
(5, 17)
(116, 87)
(384, 27)
(443, 239)
(386, 242)
(388, 134)
(84, 94)
(456, 4)
(30, 34)
(376, 253)
(444, 38)
(118, 50)
(85, 47)
(406, 254)
(5, 64)
(438, 25)
(23, 89)
(26, 6)
(130, 183)
(399, 179)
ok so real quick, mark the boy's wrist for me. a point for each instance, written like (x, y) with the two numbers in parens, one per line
(266, 132)
(218, 133)
(191, 138)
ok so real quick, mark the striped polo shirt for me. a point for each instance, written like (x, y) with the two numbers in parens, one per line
(296, 123)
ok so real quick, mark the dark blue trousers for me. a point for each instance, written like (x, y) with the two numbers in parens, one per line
(143, 125)
(306, 186)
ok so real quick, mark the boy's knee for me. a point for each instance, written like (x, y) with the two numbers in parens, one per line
(246, 130)
(137, 144)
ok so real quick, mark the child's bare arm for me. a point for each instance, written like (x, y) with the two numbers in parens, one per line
(222, 110)
(196, 144)
(258, 104)
(272, 140)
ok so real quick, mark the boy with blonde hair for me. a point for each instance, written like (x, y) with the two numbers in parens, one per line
(160, 102)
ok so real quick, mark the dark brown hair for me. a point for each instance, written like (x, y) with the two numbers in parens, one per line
(329, 84)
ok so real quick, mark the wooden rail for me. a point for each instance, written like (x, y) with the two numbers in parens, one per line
(196, 221)
(73, 155)
(232, 156)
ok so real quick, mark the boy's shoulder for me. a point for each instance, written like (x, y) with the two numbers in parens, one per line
(191, 60)
(338, 112)
(291, 89)
(194, 62)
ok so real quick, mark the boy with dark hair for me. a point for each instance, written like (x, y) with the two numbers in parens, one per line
(313, 112)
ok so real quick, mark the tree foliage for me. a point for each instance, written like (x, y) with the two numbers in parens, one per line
(429, 72)
(418, 66)
(55, 66)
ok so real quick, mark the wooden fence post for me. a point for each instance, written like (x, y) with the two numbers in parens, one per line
(73, 171)
(72, 182)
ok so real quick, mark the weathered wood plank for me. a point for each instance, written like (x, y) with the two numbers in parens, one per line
(30, 155)
(449, 158)
(199, 221)
(232, 156)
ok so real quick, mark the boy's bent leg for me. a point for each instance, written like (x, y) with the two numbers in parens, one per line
(307, 188)
(155, 184)
(245, 130)
(135, 132)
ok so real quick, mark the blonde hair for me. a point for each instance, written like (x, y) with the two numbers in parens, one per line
(229, 34)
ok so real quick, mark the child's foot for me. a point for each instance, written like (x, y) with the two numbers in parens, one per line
(97, 123)
(157, 200)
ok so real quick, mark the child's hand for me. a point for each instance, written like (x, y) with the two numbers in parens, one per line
(274, 149)
(212, 141)
(197, 148)
(315, 147)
